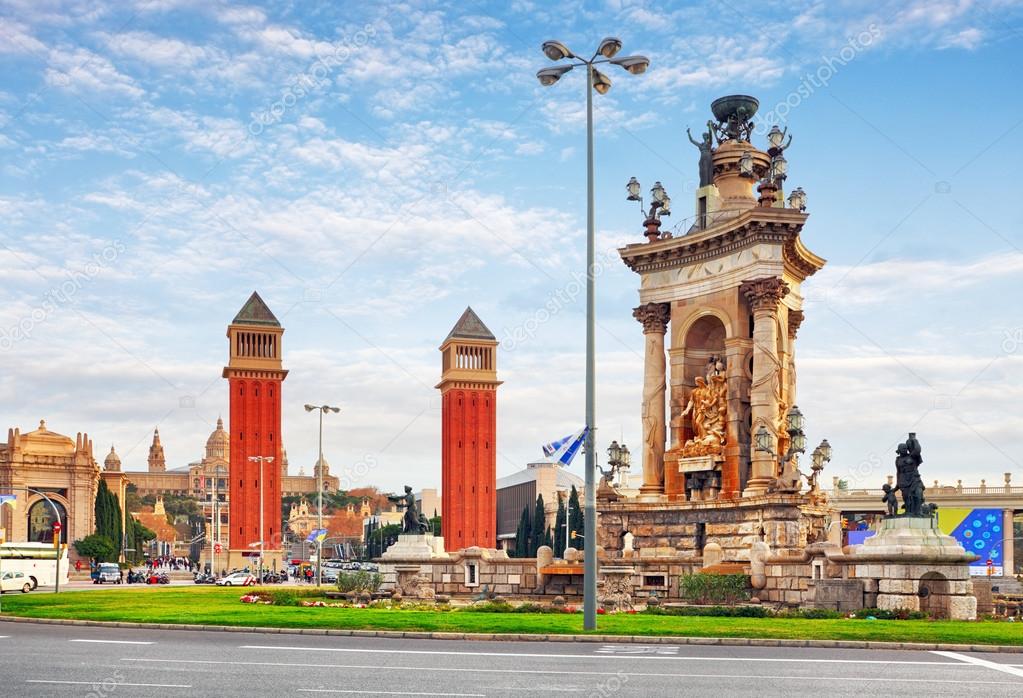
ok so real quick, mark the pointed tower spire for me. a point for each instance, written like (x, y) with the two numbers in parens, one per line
(157, 462)
(469, 326)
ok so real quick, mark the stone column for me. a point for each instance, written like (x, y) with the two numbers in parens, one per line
(795, 319)
(1008, 543)
(737, 438)
(654, 317)
(763, 296)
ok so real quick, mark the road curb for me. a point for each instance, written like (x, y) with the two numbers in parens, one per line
(515, 637)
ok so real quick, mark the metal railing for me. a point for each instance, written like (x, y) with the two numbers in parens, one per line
(941, 490)
(702, 221)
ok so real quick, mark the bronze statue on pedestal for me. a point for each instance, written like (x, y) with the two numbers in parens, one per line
(413, 522)
(908, 481)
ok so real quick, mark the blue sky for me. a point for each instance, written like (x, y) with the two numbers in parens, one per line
(373, 168)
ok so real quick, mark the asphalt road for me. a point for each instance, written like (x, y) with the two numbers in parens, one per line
(55, 660)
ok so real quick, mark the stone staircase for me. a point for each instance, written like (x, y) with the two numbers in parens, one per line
(1006, 585)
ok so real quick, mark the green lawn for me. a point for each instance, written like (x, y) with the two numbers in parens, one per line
(212, 606)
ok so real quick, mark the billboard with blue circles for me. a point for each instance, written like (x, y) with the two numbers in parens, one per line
(977, 530)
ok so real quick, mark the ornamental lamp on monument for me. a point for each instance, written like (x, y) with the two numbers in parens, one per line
(797, 199)
(660, 205)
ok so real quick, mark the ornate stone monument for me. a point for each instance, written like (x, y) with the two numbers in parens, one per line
(720, 303)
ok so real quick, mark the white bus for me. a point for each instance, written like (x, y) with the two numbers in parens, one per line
(36, 561)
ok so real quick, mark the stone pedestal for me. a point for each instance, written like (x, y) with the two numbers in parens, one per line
(411, 546)
(616, 592)
(912, 565)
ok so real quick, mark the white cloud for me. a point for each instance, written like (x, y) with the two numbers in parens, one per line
(969, 39)
(883, 282)
(16, 38)
(85, 72)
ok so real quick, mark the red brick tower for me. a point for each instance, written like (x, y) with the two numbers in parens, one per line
(254, 375)
(468, 389)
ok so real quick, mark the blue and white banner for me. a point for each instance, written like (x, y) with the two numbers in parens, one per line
(564, 450)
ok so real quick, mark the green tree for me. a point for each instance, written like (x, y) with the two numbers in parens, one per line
(136, 536)
(380, 539)
(97, 547)
(559, 529)
(575, 519)
(132, 500)
(108, 515)
(538, 527)
(522, 534)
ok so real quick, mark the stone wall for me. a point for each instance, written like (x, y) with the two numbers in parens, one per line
(784, 522)
(468, 572)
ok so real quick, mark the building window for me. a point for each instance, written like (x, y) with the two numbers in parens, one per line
(654, 580)
(472, 574)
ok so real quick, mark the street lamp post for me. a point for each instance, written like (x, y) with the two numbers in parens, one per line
(215, 520)
(595, 80)
(319, 486)
(262, 533)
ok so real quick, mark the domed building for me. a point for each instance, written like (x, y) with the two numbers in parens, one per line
(112, 463)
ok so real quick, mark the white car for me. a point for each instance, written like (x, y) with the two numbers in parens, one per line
(15, 581)
(239, 579)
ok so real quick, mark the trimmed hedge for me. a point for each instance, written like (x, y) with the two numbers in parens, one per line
(720, 611)
(715, 588)
(360, 582)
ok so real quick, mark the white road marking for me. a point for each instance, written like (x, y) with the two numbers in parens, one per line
(102, 682)
(390, 693)
(639, 649)
(798, 660)
(977, 661)
(563, 672)
(116, 642)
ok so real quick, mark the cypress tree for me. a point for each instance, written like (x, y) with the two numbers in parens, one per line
(559, 529)
(522, 534)
(575, 519)
(539, 524)
(101, 509)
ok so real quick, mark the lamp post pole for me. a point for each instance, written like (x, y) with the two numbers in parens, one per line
(595, 80)
(262, 532)
(319, 507)
(319, 488)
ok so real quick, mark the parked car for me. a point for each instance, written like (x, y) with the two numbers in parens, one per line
(15, 581)
(107, 572)
(238, 579)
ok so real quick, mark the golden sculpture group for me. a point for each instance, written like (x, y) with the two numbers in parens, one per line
(709, 406)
